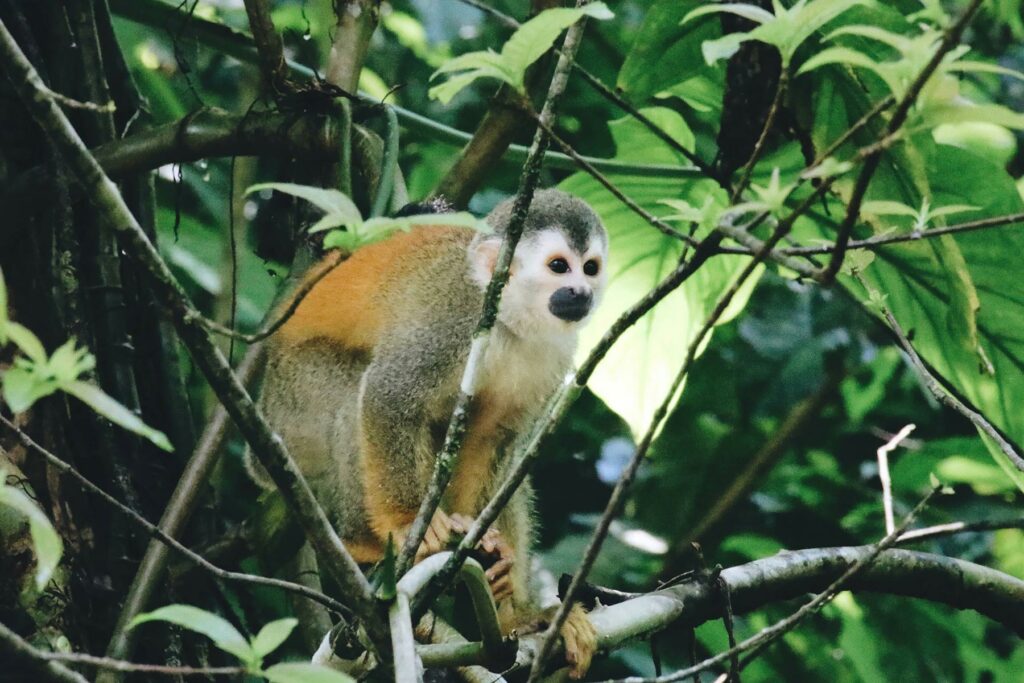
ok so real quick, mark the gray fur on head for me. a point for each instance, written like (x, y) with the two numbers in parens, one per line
(552, 209)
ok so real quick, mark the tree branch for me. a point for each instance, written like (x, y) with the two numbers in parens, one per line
(492, 300)
(19, 655)
(267, 446)
(162, 536)
(950, 40)
(269, 46)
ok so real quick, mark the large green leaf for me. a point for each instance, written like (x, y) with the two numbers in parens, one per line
(665, 52)
(303, 672)
(117, 413)
(952, 294)
(635, 376)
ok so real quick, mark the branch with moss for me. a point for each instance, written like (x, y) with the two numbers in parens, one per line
(268, 447)
(492, 300)
(269, 46)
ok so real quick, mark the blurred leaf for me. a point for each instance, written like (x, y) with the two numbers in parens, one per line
(527, 45)
(272, 635)
(303, 672)
(117, 413)
(45, 540)
(216, 628)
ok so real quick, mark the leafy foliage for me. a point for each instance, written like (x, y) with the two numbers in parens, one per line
(526, 46)
(47, 543)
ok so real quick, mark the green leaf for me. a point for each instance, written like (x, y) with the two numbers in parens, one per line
(888, 208)
(527, 45)
(27, 341)
(216, 628)
(23, 386)
(45, 540)
(114, 411)
(303, 672)
(664, 40)
(330, 201)
(635, 376)
(272, 635)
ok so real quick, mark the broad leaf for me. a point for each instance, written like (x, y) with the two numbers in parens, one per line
(527, 45)
(635, 376)
(272, 635)
(216, 628)
(303, 672)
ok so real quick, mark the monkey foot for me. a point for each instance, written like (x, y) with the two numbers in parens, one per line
(580, 640)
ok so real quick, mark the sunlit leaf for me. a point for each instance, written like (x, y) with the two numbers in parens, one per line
(330, 201)
(303, 672)
(272, 635)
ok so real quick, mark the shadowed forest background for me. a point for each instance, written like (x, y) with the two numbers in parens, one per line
(771, 444)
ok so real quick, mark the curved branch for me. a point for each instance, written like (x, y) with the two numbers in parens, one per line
(269, 45)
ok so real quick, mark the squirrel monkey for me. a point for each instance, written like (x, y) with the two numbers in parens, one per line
(362, 379)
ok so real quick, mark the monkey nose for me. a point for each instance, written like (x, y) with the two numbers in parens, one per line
(570, 303)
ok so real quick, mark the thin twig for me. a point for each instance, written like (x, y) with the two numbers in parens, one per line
(322, 269)
(492, 299)
(111, 664)
(940, 530)
(20, 656)
(882, 240)
(773, 112)
(883, 474)
(62, 466)
(944, 396)
(950, 40)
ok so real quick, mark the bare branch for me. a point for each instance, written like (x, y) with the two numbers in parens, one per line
(19, 655)
(883, 474)
(156, 532)
(873, 243)
(940, 530)
(111, 664)
(769, 635)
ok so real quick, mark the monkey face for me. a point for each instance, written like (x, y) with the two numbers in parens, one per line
(554, 285)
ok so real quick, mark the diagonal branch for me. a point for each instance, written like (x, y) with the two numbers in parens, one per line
(950, 40)
(267, 446)
(269, 46)
(492, 299)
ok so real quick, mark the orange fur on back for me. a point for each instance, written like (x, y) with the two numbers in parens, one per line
(350, 304)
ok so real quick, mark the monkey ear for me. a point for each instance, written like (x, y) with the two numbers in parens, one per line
(483, 258)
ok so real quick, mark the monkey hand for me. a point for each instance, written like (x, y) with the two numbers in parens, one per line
(495, 554)
(580, 640)
(439, 534)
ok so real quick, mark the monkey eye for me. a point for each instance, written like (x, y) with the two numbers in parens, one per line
(591, 267)
(558, 265)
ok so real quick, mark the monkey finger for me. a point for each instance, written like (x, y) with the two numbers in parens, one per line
(460, 523)
(502, 588)
(499, 569)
